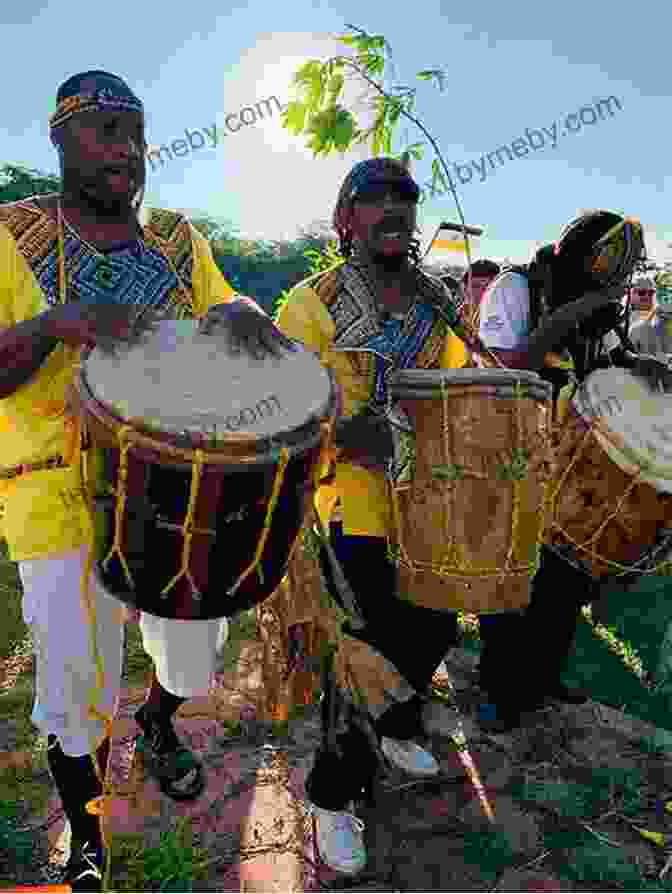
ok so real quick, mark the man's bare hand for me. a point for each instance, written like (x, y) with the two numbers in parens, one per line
(85, 324)
(657, 375)
(248, 330)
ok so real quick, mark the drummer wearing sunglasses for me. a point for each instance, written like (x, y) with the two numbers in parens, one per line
(375, 313)
(91, 266)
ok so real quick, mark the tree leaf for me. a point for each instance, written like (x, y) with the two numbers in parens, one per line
(294, 117)
(417, 150)
(656, 837)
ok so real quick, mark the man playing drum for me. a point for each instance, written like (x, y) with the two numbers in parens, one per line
(76, 268)
(522, 658)
(373, 314)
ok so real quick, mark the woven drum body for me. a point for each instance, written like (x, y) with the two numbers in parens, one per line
(611, 502)
(469, 522)
(209, 465)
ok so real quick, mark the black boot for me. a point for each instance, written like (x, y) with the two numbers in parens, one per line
(77, 784)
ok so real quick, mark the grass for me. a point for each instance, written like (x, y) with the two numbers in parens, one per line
(13, 630)
(171, 866)
(612, 668)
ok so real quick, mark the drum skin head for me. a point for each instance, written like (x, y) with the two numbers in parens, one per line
(634, 424)
(180, 381)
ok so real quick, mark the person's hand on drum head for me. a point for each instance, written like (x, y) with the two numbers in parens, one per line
(88, 324)
(365, 440)
(248, 329)
(657, 375)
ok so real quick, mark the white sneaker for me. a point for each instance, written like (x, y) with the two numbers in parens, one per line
(409, 757)
(340, 840)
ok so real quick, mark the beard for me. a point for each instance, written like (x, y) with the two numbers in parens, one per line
(390, 263)
(109, 206)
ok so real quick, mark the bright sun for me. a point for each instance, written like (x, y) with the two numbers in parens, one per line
(274, 60)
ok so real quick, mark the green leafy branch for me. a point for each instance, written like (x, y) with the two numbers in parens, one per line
(318, 114)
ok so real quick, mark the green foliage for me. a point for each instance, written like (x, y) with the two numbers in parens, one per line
(16, 846)
(606, 789)
(489, 849)
(138, 662)
(567, 799)
(174, 865)
(18, 182)
(620, 785)
(319, 260)
(13, 630)
(517, 469)
(566, 838)
(597, 862)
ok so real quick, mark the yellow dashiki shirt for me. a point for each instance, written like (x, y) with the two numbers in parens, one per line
(171, 264)
(335, 317)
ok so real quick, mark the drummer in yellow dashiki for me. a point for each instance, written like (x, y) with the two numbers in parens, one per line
(76, 267)
(376, 313)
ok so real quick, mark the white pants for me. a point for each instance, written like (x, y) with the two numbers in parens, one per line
(183, 651)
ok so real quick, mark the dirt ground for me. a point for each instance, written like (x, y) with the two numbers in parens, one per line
(569, 793)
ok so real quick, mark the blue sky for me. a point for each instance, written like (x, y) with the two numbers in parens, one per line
(509, 67)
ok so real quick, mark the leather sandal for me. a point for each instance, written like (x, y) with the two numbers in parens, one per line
(181, 776)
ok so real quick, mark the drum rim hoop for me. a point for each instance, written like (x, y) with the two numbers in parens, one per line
(583, 410)
(164, 442)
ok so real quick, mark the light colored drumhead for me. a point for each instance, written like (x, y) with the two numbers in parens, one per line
(635, 424)
(179, 380)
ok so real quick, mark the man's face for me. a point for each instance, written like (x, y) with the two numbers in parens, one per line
(104, 156)
(475, 288)
(383, 221)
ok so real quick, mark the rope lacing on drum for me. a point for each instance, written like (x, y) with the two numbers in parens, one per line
(270, 511)
(588, 547)
(453, 562)
(124, 437)
(188, 528)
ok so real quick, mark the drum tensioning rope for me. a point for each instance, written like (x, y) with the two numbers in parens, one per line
(454, 565)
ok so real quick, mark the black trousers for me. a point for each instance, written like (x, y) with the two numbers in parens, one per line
(414, 639)
(523, 655)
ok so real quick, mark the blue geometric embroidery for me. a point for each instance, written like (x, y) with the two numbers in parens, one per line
(138, 275)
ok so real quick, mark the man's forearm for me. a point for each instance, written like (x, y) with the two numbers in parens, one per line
(23, 350)
(553, 335)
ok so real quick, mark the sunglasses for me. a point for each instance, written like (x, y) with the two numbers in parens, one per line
(376, 193)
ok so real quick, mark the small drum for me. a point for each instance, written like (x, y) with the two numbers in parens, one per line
(211, 459)
(470, 517)
(612, 499)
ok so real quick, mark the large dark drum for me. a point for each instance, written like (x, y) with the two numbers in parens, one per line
(209, 461)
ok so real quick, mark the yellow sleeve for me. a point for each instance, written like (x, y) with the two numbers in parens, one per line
(304, 318)
(20, 296)
(210, 286)
(455, 353)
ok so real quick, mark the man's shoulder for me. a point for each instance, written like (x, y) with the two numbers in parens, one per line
(438, 292)
(324, 285)
(166, 223)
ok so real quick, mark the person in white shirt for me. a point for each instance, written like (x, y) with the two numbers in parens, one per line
(568, 298)
(652, 335)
